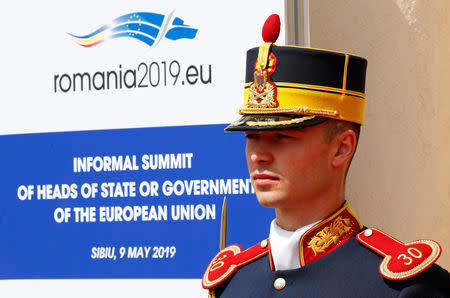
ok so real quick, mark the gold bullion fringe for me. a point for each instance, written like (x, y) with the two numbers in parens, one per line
(282, 122)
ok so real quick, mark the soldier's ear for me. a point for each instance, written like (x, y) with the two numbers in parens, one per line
(345, 146)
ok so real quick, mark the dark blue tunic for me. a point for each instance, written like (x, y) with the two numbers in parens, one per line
(349, 271)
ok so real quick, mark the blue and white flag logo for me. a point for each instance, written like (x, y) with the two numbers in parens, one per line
(147, 27)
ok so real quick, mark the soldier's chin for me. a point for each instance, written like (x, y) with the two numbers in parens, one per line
(268, 200)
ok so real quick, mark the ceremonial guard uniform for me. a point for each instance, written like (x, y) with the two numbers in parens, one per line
(288, 87)
(339, 258)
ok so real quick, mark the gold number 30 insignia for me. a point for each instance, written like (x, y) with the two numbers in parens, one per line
(413, 252)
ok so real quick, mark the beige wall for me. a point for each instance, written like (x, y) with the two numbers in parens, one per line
(400, 177)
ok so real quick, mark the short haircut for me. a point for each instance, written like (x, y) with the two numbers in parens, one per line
(334, 127)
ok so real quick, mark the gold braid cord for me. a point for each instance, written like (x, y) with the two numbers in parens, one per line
(296, 110)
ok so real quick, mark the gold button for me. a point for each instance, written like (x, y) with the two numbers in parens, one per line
(279, 283)
(368, 233)
(264, 243)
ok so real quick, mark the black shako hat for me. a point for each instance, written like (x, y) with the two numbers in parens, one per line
(288, 86)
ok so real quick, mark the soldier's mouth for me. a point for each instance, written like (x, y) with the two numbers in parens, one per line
(264, 179)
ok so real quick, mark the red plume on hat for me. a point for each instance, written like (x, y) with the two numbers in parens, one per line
(271, 28)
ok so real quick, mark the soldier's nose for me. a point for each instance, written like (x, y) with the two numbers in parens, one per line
(261, 157)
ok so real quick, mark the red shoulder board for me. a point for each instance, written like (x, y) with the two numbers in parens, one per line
(401, 260)
(228, 260)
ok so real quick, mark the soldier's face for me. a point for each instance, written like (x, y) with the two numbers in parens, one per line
(289, 168)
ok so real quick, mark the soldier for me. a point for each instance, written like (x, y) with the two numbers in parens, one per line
(302, 114)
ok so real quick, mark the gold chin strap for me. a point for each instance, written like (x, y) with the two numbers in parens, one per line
(212, 294)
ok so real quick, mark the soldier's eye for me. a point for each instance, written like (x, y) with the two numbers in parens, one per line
(285, 136)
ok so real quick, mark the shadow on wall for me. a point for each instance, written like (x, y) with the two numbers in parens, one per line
(399, 178)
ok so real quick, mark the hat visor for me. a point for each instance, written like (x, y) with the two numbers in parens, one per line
(274, 122)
